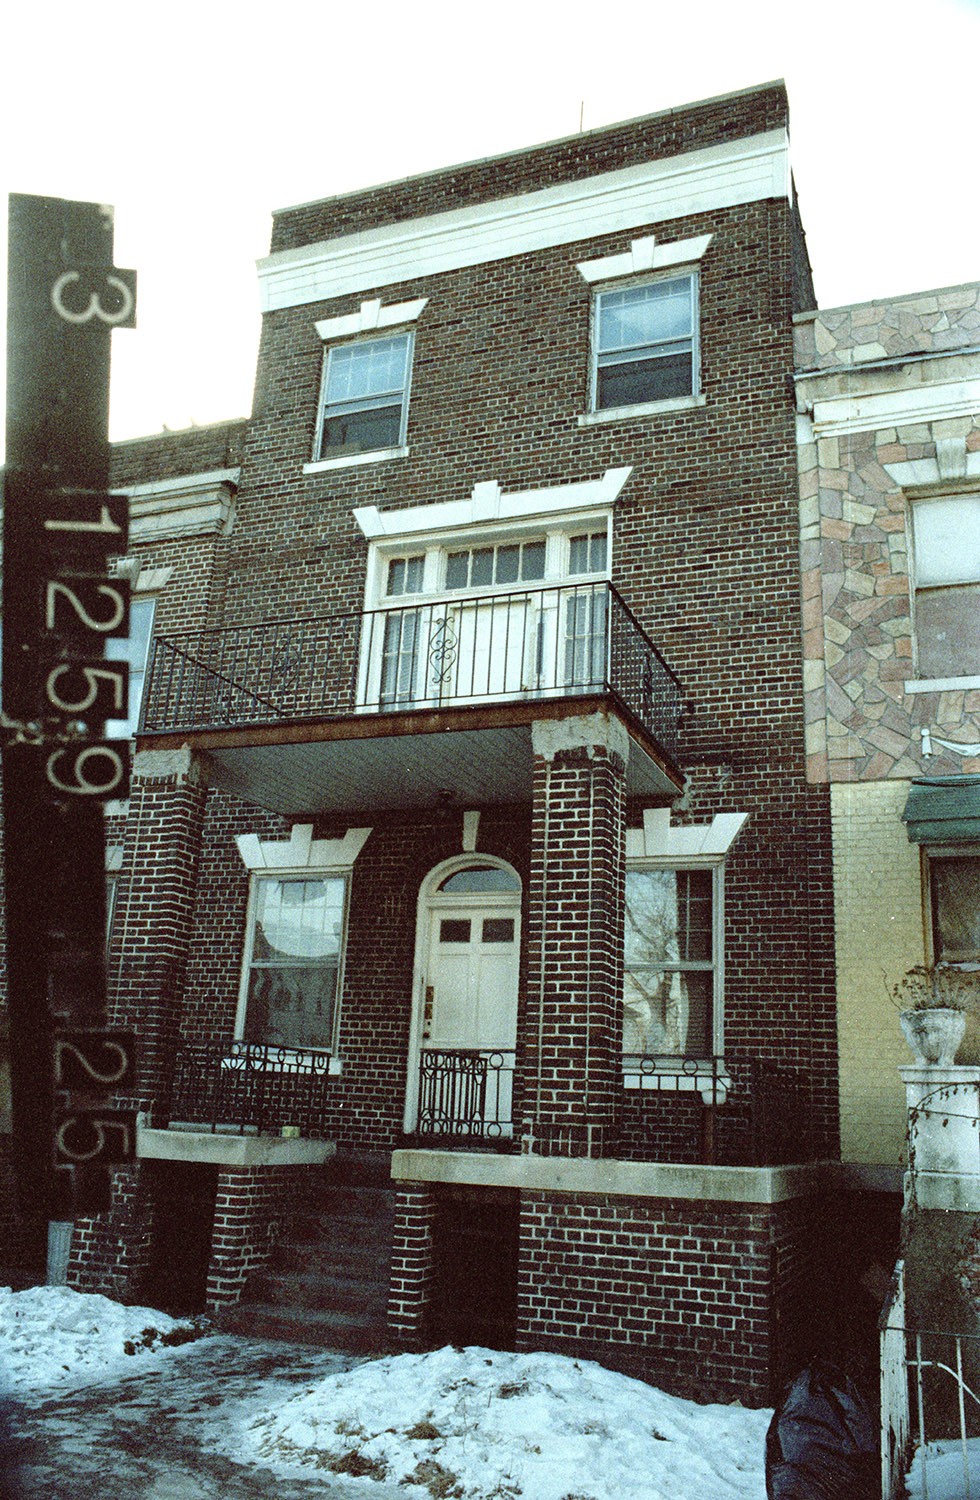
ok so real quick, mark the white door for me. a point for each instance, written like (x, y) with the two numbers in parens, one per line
(488, 650)
(467, 1021)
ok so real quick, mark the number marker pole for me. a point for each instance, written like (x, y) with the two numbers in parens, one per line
(60, 606)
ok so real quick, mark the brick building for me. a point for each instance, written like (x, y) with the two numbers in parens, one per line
(471, 871)
(888, 394)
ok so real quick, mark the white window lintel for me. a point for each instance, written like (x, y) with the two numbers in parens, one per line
(701, 841)
(372, 315)
(301, 851)
(488, 503)
(644, 255)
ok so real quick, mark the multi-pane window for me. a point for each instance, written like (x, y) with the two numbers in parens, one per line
(646, 343)
(136, 650)
(587, 554)
(946, 565)
(955, 889)
(295, 959)
(669, 962)
(481, 567)
(405, 575)
(365, 396)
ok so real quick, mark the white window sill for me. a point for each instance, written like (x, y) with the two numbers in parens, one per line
(685, 1076)
(351, 460)
(642, 409)
(941, 684)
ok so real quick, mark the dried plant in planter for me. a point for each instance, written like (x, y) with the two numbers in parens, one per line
(937, 987)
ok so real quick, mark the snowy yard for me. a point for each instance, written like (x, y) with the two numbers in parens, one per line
(464, 1423)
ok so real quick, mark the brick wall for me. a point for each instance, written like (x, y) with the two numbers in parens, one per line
(693, 127)
(247, 1220)
(678, 1293)
(111, 1252)
(411, 1265)
(877, 940)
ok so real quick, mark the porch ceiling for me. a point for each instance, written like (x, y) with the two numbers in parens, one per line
(465, 758)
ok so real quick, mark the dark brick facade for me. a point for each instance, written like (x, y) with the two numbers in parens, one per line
(705, 553)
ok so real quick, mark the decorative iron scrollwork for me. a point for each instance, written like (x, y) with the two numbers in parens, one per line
(442, 650)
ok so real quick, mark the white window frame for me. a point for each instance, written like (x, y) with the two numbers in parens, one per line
(372, 321)
(365, 404)
(689, 275)
(126, 728)
(304, 858)
(435, 548)
(255, 883)
(915, 505)
(716, 867)
(658, 845)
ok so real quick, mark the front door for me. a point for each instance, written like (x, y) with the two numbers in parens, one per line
(466, 1023)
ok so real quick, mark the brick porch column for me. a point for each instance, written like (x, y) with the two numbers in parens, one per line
(572, 1037)
(411, 1265)
(154, 910)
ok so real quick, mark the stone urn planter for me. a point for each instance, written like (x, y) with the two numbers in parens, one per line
(934, 1033)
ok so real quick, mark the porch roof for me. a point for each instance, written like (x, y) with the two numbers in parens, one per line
(943, 810)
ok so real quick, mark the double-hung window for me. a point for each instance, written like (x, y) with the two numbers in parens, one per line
(671, 962)
(646, 343)
(134, 649)
(365, 396)
(294, 962)
(946, 570)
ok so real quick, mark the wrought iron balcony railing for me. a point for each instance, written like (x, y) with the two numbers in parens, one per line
(547, 642)
(237, 1087)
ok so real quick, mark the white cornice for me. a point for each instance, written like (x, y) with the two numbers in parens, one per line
(653, 192)
(866, 412)
(192, 505)
(658, 839)
(301, 851)
(488, 504)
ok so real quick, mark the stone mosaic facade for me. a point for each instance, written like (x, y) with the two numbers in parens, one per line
(889, 402)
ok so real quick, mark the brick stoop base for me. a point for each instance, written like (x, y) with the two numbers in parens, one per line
(326, 1281)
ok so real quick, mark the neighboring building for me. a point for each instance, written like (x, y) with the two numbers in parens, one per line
(889, 395)
(470, 831)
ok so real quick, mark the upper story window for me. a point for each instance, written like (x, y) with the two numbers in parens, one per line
(645, 346)
(365, 396)
(946, 573)
(511, 562)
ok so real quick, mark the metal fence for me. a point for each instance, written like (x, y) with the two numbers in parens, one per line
(466, 1094)
(237, 1087)
(731, 1110)
(545, 642)
(930, 1406)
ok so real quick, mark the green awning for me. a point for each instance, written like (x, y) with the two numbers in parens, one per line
(943, 810)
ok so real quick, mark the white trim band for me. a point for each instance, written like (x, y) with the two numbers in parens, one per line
(723, 176)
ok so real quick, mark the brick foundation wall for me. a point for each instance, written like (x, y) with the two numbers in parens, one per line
(110, 1253)
(678, 1293)
(247, 1221)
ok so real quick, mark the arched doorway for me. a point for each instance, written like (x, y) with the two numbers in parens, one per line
(464, 1021)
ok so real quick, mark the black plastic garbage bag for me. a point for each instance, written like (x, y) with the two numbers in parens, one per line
(823, 1441)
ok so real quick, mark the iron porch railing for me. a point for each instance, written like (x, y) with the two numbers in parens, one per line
(726, 1111)
(236, 1087)
(545, 642)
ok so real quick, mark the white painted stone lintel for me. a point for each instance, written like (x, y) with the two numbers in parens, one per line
(230, 1150)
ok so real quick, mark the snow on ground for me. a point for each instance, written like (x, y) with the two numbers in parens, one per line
(947, 1477)
(477, 1423)
(53, 1337)
(452, 1423)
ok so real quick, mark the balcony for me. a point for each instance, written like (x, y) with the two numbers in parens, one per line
(367, 709)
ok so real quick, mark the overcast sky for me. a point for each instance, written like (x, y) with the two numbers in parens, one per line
(196, 120)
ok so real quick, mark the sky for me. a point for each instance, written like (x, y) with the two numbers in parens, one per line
(196, 120)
